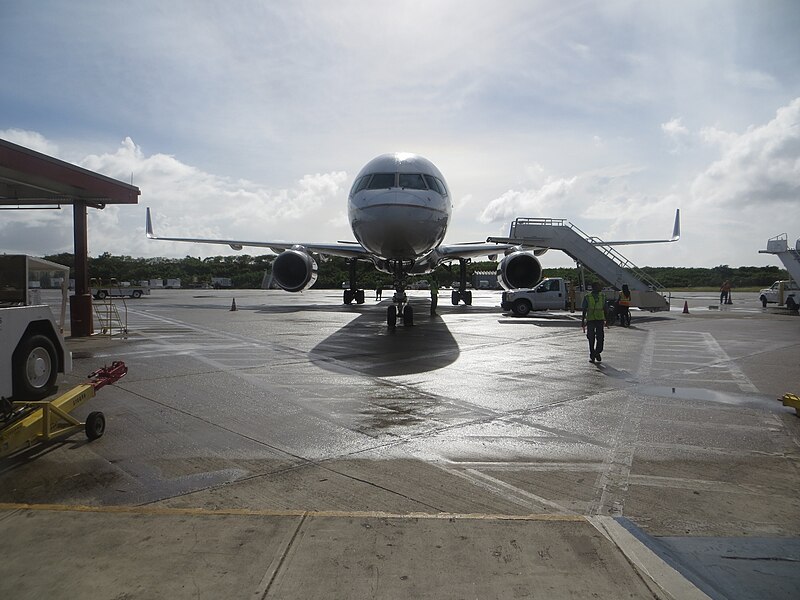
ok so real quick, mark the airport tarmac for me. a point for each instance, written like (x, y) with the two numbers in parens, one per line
(296, 448)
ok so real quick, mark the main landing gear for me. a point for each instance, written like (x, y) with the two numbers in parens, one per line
(353, 293)
(462, 293)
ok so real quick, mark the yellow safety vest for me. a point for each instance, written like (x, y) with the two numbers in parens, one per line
(624, 300)
(595, 310)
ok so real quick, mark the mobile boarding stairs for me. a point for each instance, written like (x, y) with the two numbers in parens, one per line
(790, 257)
(593, 253)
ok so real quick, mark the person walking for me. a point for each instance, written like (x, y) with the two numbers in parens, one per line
(724, 293)
(434, 296)
(378, 293)
(593, 319)
(624, 306)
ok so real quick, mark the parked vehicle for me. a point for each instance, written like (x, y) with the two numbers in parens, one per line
(101, 292)
(783, 293)
(32, 352)
(552, 293)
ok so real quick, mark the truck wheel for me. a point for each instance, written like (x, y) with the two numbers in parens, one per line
(95, 425)
(791, 304)
(34, 368)
(136, 294)
(764, 301)
(101, 295)
(521, 307)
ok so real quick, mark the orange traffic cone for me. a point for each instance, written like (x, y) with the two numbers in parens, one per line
(233, 304)
(685, 307)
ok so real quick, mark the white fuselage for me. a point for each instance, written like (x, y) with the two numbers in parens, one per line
(399, 207)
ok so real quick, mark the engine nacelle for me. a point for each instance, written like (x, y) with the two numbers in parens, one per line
(294, 270)
(519, 269)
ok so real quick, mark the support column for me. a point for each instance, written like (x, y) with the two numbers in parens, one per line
(80, 304)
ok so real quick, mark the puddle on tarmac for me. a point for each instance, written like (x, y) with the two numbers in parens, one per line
(733, 398)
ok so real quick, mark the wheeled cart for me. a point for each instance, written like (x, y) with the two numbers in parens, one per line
(25, 423)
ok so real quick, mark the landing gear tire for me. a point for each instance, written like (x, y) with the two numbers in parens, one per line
(455, 297)
(408, 316)
(95, 425)
(34, 368)
(467, 298)
(348, 296)
(391, 316)
(359, 296)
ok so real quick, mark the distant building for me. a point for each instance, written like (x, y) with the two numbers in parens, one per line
(221, 282)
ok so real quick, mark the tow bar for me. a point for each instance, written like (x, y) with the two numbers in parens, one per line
(27, 423)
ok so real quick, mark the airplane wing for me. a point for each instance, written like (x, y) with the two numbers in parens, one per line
(346, 250)
(676, 235)
(471, 250)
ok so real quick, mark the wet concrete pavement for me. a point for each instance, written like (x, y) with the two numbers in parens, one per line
(328, 448)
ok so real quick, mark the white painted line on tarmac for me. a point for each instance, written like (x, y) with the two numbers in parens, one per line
(667, 581)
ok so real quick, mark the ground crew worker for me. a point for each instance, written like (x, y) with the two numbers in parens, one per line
(623, 305)
(724, 293)
(434, 296)
(593, 318)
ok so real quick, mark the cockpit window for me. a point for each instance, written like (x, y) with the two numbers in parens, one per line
(381, 181)
(412, 181)
(435, 185)
(361, 184)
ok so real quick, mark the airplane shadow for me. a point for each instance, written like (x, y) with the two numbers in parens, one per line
(367, 346)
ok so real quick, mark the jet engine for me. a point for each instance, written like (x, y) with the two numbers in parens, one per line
(519, 269)
(294, 270)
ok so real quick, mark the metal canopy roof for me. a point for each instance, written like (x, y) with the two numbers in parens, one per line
(29, 178)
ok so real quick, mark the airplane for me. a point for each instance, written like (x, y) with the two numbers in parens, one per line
(399, 208)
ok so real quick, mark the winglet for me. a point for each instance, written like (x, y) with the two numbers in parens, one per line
(676, 229)
(149, 226)
(676, 235)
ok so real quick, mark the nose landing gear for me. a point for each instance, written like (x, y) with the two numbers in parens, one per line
(400, 308)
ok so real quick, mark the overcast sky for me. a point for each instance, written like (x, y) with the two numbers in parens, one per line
(249, 119)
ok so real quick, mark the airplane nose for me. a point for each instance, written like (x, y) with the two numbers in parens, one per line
(399, 224)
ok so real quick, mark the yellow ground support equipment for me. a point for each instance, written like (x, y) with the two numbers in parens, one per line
(792, 400)
(26, 423)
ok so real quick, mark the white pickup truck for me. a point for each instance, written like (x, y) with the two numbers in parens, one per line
(550, 294)
(783, 293)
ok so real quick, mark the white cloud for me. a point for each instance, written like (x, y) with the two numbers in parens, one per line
(758, 167)
(677, 133)
(30, 139)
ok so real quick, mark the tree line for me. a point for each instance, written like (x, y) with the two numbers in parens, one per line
(247, 271)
